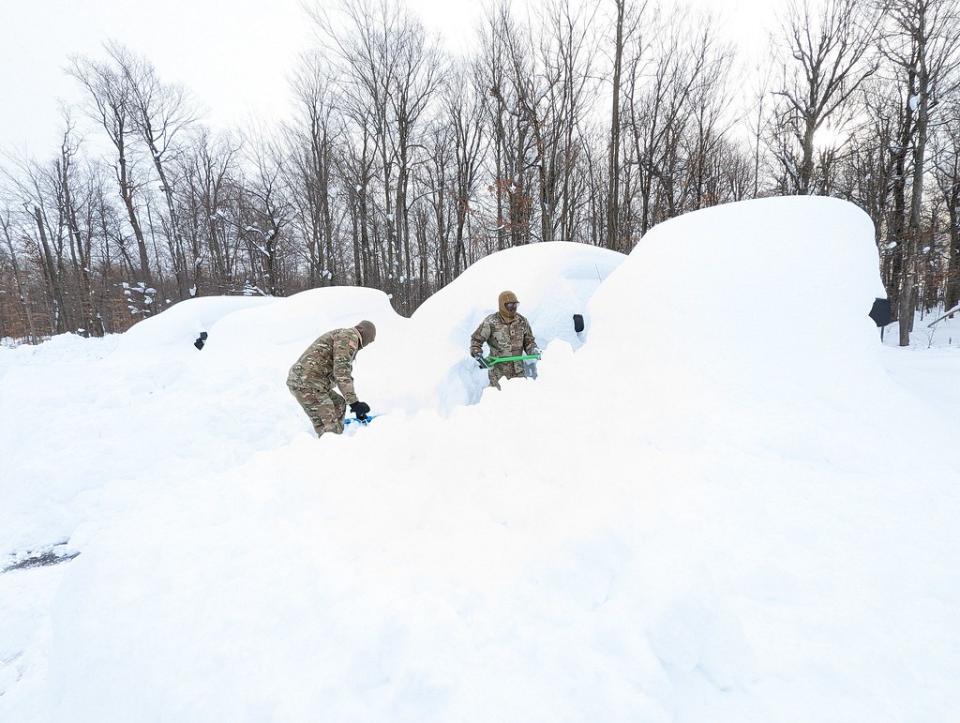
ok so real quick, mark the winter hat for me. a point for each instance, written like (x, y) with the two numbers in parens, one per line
(507, 297)
(368, 332)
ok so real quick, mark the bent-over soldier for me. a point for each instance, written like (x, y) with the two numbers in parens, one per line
(328, 363)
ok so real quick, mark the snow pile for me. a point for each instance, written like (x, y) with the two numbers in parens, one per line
(432, 367)
(292, 323)
(674, 523)
(778, 292)
(772, 334)
(175, 329)
(56, 350)
(147, 403)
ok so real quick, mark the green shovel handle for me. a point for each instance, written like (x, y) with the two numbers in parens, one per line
(492, 361)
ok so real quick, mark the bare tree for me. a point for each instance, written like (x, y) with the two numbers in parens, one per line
(946, 170)
(110, 103)
(210, 173)
(922, 45)
(514, 150)
(262, 220)
(613, 168)
(827, 60)
(657, 93)
(23, 291)
(159, 113)
(465, 108)
(313, 135)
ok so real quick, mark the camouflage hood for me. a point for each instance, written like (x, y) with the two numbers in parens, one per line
(367, 331)
(507, 297)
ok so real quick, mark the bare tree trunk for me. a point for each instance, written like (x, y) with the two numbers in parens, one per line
(613, 171)
(929, 31)
(53, 278)
(907, 300)
(952, 292)
(23, 292)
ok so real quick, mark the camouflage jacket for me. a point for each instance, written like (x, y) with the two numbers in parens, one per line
(504, 338)
(328, 362)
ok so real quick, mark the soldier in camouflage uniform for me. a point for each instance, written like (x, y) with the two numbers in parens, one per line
(326, 363)
(507, 333)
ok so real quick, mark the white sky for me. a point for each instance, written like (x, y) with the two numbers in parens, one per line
(234, 55)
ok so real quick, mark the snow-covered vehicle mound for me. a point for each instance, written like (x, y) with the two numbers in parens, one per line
(287, 326)
(432, 368)
(176, 328)
(771, 323)
(275, 328)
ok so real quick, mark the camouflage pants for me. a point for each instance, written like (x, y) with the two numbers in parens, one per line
(505, 371)
(325, 408)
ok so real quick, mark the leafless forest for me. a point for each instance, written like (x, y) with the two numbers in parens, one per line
(403, 164)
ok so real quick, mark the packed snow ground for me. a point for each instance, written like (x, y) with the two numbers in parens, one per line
(713, 510)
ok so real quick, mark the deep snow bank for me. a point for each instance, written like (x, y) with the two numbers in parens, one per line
(176, 328)
(765, 333)
(431, 367)
(771, 294)
(699, 534)
(129, 407)
(138, 406)
(288, 325)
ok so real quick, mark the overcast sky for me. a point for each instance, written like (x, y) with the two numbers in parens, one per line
(234, 55)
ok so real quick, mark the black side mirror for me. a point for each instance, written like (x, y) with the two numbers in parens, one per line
(578, 323)
(881, 313)
(200, 339)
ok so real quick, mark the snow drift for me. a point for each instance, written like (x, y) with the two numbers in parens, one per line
(145, 404)
(695, 517)
(770, 333)
(432, 368)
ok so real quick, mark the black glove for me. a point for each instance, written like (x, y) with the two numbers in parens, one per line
(361, 409)
(480, 361)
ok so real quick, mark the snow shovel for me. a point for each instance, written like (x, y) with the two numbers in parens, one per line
(492, 361)
(365, 421)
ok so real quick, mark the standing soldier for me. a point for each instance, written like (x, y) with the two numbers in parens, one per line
(326, 363)
(507, 333)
